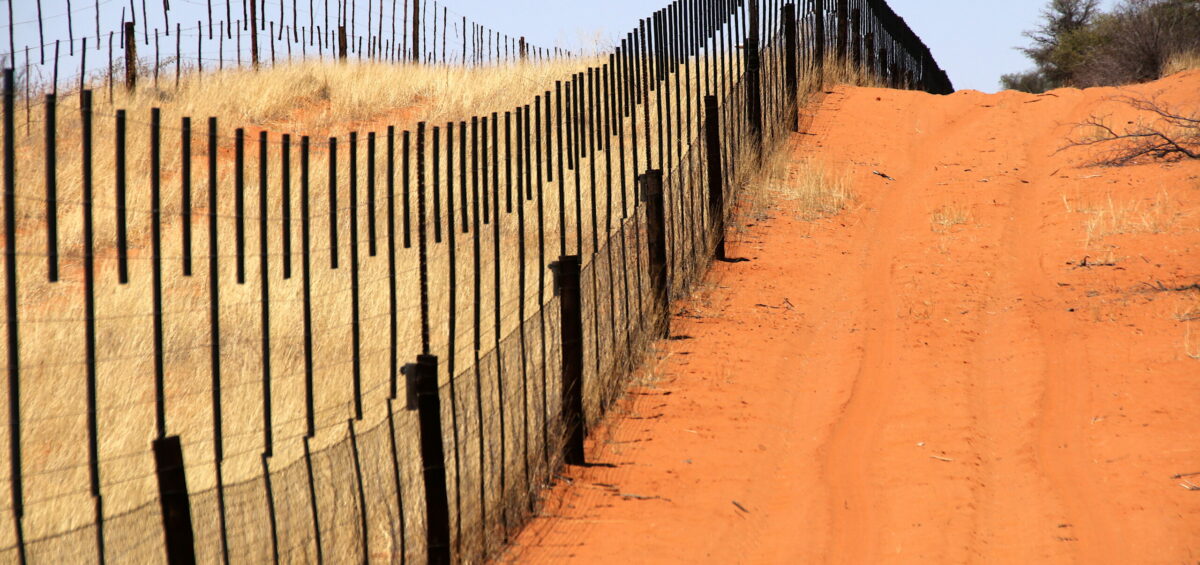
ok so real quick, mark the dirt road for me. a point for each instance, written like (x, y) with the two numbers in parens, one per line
(936, 374)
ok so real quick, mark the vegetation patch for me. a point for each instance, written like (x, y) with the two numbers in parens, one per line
(1079, 45)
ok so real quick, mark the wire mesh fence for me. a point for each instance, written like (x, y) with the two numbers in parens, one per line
(259, 296)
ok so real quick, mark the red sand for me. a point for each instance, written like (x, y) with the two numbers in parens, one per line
(868, 389)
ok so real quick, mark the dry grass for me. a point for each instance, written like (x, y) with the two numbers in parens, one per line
(1131, 217)
(808, 188)
(811, 187)
(840, 71)
(315, 98)
(1180, 62)
(946, 216)
(814, 190)
(1189, 311)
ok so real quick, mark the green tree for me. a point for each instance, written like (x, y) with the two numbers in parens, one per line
(1057, 46)
(1029, 81)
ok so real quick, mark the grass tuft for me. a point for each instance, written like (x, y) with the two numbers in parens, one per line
(948, 216)
(1180, 62)
(816, 190)
(1132, 217)
(811, 188)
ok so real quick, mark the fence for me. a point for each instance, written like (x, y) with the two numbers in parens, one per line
(323, 374)
(164, 45)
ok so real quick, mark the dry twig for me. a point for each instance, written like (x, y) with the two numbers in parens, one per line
(1168, 134)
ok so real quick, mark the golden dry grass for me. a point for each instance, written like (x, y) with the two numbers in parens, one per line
(812, 189)
(1113, 217)
(1180, 62)
(321, 98)
(837, 72)
(949, 215)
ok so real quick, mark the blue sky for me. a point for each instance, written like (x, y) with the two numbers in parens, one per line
(972, 39)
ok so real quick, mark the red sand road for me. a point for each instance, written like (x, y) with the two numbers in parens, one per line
(869, 389)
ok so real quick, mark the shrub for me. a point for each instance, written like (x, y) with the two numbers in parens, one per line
(1080, 46)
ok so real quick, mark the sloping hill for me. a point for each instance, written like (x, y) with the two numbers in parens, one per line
(989, 358)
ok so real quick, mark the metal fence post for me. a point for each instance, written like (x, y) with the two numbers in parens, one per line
(423, 397)
(173, 494)
(566, 286)
(656, 242)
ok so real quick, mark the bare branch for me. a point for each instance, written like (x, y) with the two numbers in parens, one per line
(1163, 134)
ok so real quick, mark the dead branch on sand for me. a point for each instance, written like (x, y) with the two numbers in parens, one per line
(1163, 134)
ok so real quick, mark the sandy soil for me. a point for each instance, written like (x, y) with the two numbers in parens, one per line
(881, 387)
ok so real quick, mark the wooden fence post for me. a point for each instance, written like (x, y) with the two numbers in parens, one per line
(819, 40)
(341, 38)
(130, 58)
(11, 329)
(884, 69)
(566, 286)
(897, 72)
(716, 188)
(754, 78)
(869, 50)
(656, 242)
(856, 37)
(416, 32)
(843, 28)
(791, 75)
(173, 494)
(423, 397)
(254, 35)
